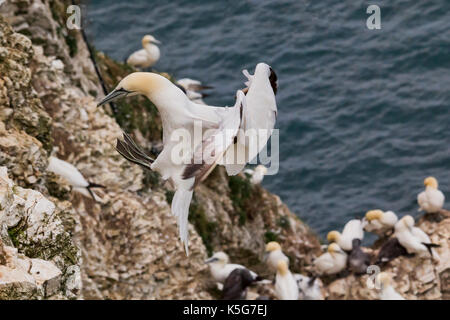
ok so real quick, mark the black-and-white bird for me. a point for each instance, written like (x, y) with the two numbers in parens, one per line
(390, 250)
(220, 267)
(236, 284)
(309, 287)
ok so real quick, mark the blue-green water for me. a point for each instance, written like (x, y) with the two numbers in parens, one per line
(363, 114)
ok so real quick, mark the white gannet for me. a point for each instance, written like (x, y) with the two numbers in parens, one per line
(331, 262)
(73, 177)
(257, 174)
(274, 254)
(146, 57)
(220, 268)
(258, 118)
(358, 261)
(432, 199)
(309, 287)
(413, 239)
(352, 230)
(193, 89)
(379, 222)
(235, 285)
(387, 292)
(286, 287)
(185, 159)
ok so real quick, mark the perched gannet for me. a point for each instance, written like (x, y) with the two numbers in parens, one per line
(387, 291)
(258, 118)
(220, 268)
(390, 250)
(274, 254)
(187, 157)
(235, 286)
(147, 56)
(352, 230)
(73, 177)
(380, 222)
(331, 262)
(432, 199)
(286, 287)
(358, 260)
(193, 89)
(256, 175)
(309, 287)
(413, 239)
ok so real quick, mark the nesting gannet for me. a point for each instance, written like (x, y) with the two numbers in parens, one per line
(73, 177)
(331, 262)
(256, 175)
(413, 239)
(390, 250)
(286, 287)
(220, 268)
(358, 260)
(352, 230)
(235, 286)
(380, 222)
(387, 291)
(274, 254)
(185, 160)
(432, 199)
(194, 89)
(309, 287)
(146, 57)
(259, 118)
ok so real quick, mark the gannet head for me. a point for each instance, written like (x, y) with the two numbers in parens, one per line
(374, 215)
(263, 69)
(431, 182)
(282, 267)
(384, 279)
(147, 39)
(334, 248)
(218, 258)
(136, 83)
(273, 246)
(408, 221)
(333, 236)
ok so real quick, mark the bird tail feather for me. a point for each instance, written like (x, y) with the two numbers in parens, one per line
(430, 246)
(180, 209)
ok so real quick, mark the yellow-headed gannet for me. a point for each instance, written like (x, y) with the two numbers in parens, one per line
(274, 254)
(256, 175)
(380, 222)
(258, 118)
(413, 239)
(387, 292)
(390, 250)
(432, 199)
(286, 287)
(185, 159)
(220, 268)
(73, 177)
(352, 230)
(309, 287)
(331, 262)
(146, 57)
(235, 286)
(358, 260)
(193, 89)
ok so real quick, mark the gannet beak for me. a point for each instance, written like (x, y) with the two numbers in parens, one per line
(114, 95)
(212, 259)
(156, 41)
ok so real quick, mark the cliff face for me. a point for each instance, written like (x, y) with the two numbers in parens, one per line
(126, 246)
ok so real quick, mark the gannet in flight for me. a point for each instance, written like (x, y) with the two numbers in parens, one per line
(256, 175)
(73, 177)
(432, 199)
(189, 163)
(331, 262)
(380, 222)
(387, 291)
(235, 285)
(220, 268)
(193, 89)
(286, 287)
(274, 254)
(146, 57)
(309, 287)
(352, 230)
(413, 239)
(358, 260)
